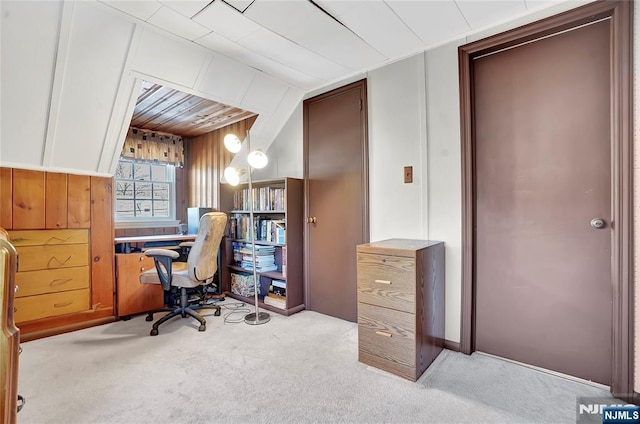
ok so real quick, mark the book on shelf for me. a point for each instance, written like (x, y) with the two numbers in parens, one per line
(265, 228)
(263, 198)
(276, 301)
(260, 268)
(284, 261)
(278, 288)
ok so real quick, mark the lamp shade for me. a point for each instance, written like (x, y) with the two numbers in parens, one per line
(232, 175)
(257, 159)
(232, 143)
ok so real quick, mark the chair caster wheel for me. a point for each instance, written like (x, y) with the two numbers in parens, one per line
(217, 313)
(148, 318)
(202, 328)
(154, 332)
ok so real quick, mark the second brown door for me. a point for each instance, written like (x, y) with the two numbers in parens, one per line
(336, 174)
(542, 151)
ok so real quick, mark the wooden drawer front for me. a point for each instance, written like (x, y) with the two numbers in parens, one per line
(48, 305)
(388, 281)
(50, 281)
(386, 339)
(48, 237)
(31, 258)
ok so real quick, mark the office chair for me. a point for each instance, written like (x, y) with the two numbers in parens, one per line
(200, 268)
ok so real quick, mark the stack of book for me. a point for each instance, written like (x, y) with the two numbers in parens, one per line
(277, 295)
(265, 257)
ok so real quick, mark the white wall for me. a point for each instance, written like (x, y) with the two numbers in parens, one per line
(397, 138)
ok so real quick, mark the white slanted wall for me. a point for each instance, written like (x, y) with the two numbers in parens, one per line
(71, 74)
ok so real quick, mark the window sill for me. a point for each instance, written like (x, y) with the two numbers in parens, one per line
(146, 224)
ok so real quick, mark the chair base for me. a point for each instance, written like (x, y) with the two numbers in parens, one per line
(183, 310)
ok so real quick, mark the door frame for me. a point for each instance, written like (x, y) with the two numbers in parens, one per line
(364, 113)
(621, 16)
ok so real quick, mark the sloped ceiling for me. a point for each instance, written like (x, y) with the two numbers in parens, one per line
(309, 44)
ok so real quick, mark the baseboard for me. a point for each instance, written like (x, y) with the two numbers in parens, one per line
(450, 345)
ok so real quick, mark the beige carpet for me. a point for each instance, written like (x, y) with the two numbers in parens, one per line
(297, 369)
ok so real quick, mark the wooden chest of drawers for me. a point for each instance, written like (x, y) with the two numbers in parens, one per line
(54, 274)
(400, 305)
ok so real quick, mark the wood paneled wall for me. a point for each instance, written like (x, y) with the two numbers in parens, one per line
(206, 159)
(37, 200)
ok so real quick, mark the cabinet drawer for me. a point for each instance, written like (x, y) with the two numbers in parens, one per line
(48, 237)
(47, 305)
(31, 258)
(50, 281)
(388, 281)
(386, 339)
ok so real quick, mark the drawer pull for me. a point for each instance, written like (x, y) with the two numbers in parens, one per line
(57, 240)
(62, 305)
(59, 282)
(383, 282)
(59, 262)
(383, 333)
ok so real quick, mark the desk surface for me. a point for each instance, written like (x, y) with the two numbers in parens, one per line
(161, 237)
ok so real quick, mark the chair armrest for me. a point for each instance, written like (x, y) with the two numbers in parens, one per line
(187, 244)
(156, 253)
(163, 259)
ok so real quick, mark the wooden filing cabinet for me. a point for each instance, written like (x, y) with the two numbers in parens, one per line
(400, 305)
(134, 297)
(53, 273)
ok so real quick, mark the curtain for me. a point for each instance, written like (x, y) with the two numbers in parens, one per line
(153, 146)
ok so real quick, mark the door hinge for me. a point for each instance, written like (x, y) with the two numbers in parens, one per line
(360, 105)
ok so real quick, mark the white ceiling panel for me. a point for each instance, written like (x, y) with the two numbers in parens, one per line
(240, 5)
(432, 21)
(264, 93)
(227, 21)
(238, 52)
(480, 13)
(168, 58)
(172, 21)
(141, 9)
(186, 8)
(307, 25)
(227, 78)
(292, 55)
(377, 24)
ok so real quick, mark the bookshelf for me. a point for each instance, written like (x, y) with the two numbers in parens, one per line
(278, 214)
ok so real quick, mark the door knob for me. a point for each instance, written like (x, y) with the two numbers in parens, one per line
(312, 220)
(597, 223)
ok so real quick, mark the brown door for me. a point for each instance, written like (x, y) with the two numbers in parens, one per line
(335, 128)
(542, 151)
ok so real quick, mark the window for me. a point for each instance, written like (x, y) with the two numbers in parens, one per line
(144, 191)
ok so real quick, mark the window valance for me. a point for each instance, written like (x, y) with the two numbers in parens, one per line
(153, 146)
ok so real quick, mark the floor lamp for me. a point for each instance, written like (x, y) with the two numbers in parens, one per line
(255, 159)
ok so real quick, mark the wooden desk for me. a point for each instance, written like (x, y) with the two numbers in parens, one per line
(145, 239)
(132, 296)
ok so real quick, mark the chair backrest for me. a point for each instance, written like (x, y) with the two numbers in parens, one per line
(202, 260)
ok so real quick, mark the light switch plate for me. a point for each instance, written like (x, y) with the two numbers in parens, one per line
(408, 174)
